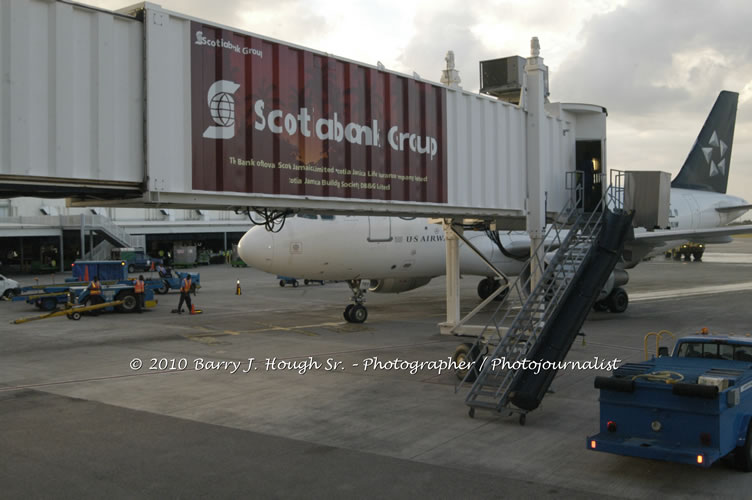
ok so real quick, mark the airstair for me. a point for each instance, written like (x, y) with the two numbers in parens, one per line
(552, 313)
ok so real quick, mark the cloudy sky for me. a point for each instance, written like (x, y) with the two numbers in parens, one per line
(656, 65)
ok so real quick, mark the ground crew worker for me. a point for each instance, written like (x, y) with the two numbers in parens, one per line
(95, 294)
(140, 287)
(185, 291)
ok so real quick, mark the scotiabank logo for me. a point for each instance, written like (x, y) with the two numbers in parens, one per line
(222, 108)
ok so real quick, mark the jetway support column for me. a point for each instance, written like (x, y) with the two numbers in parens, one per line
(62, 250)
(83, 237)
(536, 214)
(452, 274)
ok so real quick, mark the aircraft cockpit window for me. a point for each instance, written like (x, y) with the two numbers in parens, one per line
(308, 216)
(327, 217)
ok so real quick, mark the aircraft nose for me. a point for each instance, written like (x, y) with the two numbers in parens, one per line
(256, 248)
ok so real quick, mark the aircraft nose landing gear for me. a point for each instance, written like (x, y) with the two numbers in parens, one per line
(357, 312)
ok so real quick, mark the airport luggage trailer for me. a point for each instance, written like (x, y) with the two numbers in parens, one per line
(49, 297)
(120, 292)
(173, 282)
(287, 280)
(681, 408)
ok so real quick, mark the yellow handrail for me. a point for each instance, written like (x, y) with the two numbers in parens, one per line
(658, 336)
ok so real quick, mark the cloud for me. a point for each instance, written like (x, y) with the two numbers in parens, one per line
(646, 55)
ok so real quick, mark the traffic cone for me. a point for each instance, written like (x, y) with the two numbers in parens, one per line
(237, 289)
(193, 308)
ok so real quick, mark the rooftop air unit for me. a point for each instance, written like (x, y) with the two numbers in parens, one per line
(504, 78)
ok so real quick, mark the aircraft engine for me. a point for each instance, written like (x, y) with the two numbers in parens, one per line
(397, 285)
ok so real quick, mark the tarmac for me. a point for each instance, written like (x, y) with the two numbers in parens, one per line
(142, 406)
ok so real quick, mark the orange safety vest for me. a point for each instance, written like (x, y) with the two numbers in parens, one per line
(139, 287)
(96, 289)
(186, 285)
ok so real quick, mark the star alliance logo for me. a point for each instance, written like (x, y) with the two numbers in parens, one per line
(720, 167)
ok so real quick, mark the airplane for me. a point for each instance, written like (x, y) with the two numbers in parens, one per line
(398, 254)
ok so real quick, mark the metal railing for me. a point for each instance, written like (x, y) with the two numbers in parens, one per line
(512, 332)
(90, 221)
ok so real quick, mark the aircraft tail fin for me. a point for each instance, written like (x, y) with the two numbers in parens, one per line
(707, 166)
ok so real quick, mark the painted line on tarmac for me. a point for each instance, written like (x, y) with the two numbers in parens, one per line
(301, 329)
(689, 292)
(80, 380)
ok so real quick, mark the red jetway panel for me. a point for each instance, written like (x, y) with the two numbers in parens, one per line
(236, 120)
(71, 100)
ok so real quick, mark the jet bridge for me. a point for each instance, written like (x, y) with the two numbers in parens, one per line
(146, 107)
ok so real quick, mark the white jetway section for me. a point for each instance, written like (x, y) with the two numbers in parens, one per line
(153, 108)
(71, 101)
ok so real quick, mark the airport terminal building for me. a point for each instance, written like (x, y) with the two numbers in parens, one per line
(44, 235)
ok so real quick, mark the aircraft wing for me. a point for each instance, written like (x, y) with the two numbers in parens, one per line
(734, 208)
(648, 243)
(658, 238)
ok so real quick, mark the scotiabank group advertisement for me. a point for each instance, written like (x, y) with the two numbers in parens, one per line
(273, 119)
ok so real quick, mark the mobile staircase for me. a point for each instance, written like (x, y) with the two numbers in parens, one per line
(552, 313)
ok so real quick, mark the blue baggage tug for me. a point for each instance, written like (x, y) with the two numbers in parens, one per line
(692, 407)
(116, 286)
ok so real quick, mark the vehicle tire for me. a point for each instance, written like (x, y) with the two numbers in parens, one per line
(743, 454)
(697, 256)
(466, 353)
(163, 289)
(346, 314)
(129, 301)
(618, 301)
(295, 284)
(131, 268)
(359, 313)
(11, 292)
(48, 304)
(306, 282)
(75, 316)
(282, 283)
(486, 288)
